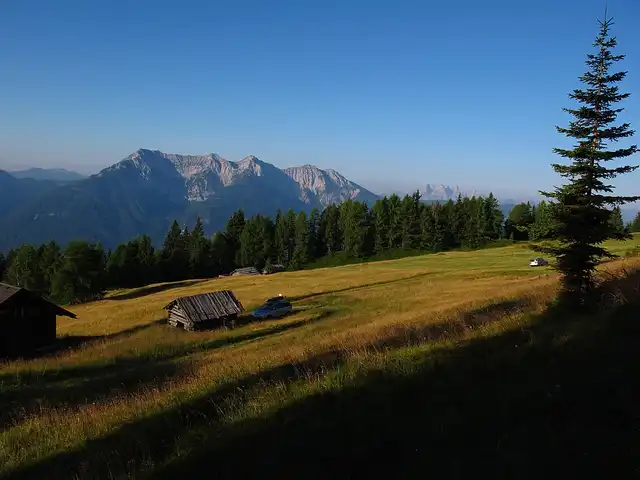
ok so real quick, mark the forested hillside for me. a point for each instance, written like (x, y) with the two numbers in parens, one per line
(80, 270)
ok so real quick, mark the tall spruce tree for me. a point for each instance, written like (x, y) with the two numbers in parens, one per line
(581, 213)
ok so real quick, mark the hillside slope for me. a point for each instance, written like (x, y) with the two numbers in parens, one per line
(427, 360)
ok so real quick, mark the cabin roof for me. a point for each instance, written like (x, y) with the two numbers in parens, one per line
(9, 291)
(246, 271)
(207, 306)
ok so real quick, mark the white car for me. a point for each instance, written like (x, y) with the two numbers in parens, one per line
(538, 262)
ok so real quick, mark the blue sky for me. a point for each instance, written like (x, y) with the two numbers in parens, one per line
(392, 94)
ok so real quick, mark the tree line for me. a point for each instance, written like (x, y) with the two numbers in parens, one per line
(536, 222)
(82, 271)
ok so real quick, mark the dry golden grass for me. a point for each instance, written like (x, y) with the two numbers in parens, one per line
(132, 365)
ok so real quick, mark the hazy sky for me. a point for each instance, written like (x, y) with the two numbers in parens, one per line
(392, 94)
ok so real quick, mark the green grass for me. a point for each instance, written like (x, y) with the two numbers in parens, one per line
(446, 364)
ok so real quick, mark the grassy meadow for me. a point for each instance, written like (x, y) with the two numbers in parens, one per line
(450, 364)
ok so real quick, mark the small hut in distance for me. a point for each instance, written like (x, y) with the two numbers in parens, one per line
(206, 310)
(245, 271)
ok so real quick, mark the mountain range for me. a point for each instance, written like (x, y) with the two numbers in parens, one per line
(147, 190)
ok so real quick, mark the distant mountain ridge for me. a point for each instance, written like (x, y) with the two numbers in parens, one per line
(54, 174)
(146, 191)
(149, 189)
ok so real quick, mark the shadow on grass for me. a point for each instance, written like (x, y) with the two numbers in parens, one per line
(30, 392)
(72, 342)
(149, 290)
(81, 385)
(255, 335)
(525, 404)
(559, 398)
(358, 287)
(456, 327)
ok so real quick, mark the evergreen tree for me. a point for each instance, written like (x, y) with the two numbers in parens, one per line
(249, 244)
(382, 219)
(278, 238)
(355, 227)
(440, 228)
(174, 256)
(410, 221)
(81, 275)
(458, 220)
(235, 225)
(49, 256)
(330, 226)
(581, 216)
(146, 260)
(541, 228)
(634, 226)
(616, 222)
(199, 252)
(315, 242)
(24, 269)
(492, 218)
(368, 229)
(427, 229)
(222, 257)
(519, 222)
(450, 222)
(395, 226)
(290, 234)
(300, 255)
(116, 274)
(474, 231)
(264, 241)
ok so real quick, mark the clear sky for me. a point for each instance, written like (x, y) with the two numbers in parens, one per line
(392, 94)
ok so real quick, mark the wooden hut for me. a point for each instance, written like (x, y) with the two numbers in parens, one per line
(27, 321)
(245, 271)
(275, 268)
(212, 309)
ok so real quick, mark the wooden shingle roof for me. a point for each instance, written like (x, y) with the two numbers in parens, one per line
(9, 291)
(246, 271)
(207, 306)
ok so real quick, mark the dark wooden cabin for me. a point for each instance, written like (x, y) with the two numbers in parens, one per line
(27, 321)
(211, 309)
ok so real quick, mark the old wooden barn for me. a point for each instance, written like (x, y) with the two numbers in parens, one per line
(211, 309)
(27, 321)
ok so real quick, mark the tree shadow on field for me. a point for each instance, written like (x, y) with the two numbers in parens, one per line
(29, 392)
(558, 398)
(270, 330)
(358, 287)
(151, 289)
(65, 343)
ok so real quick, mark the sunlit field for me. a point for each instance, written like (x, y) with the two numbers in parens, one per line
(130, 396)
